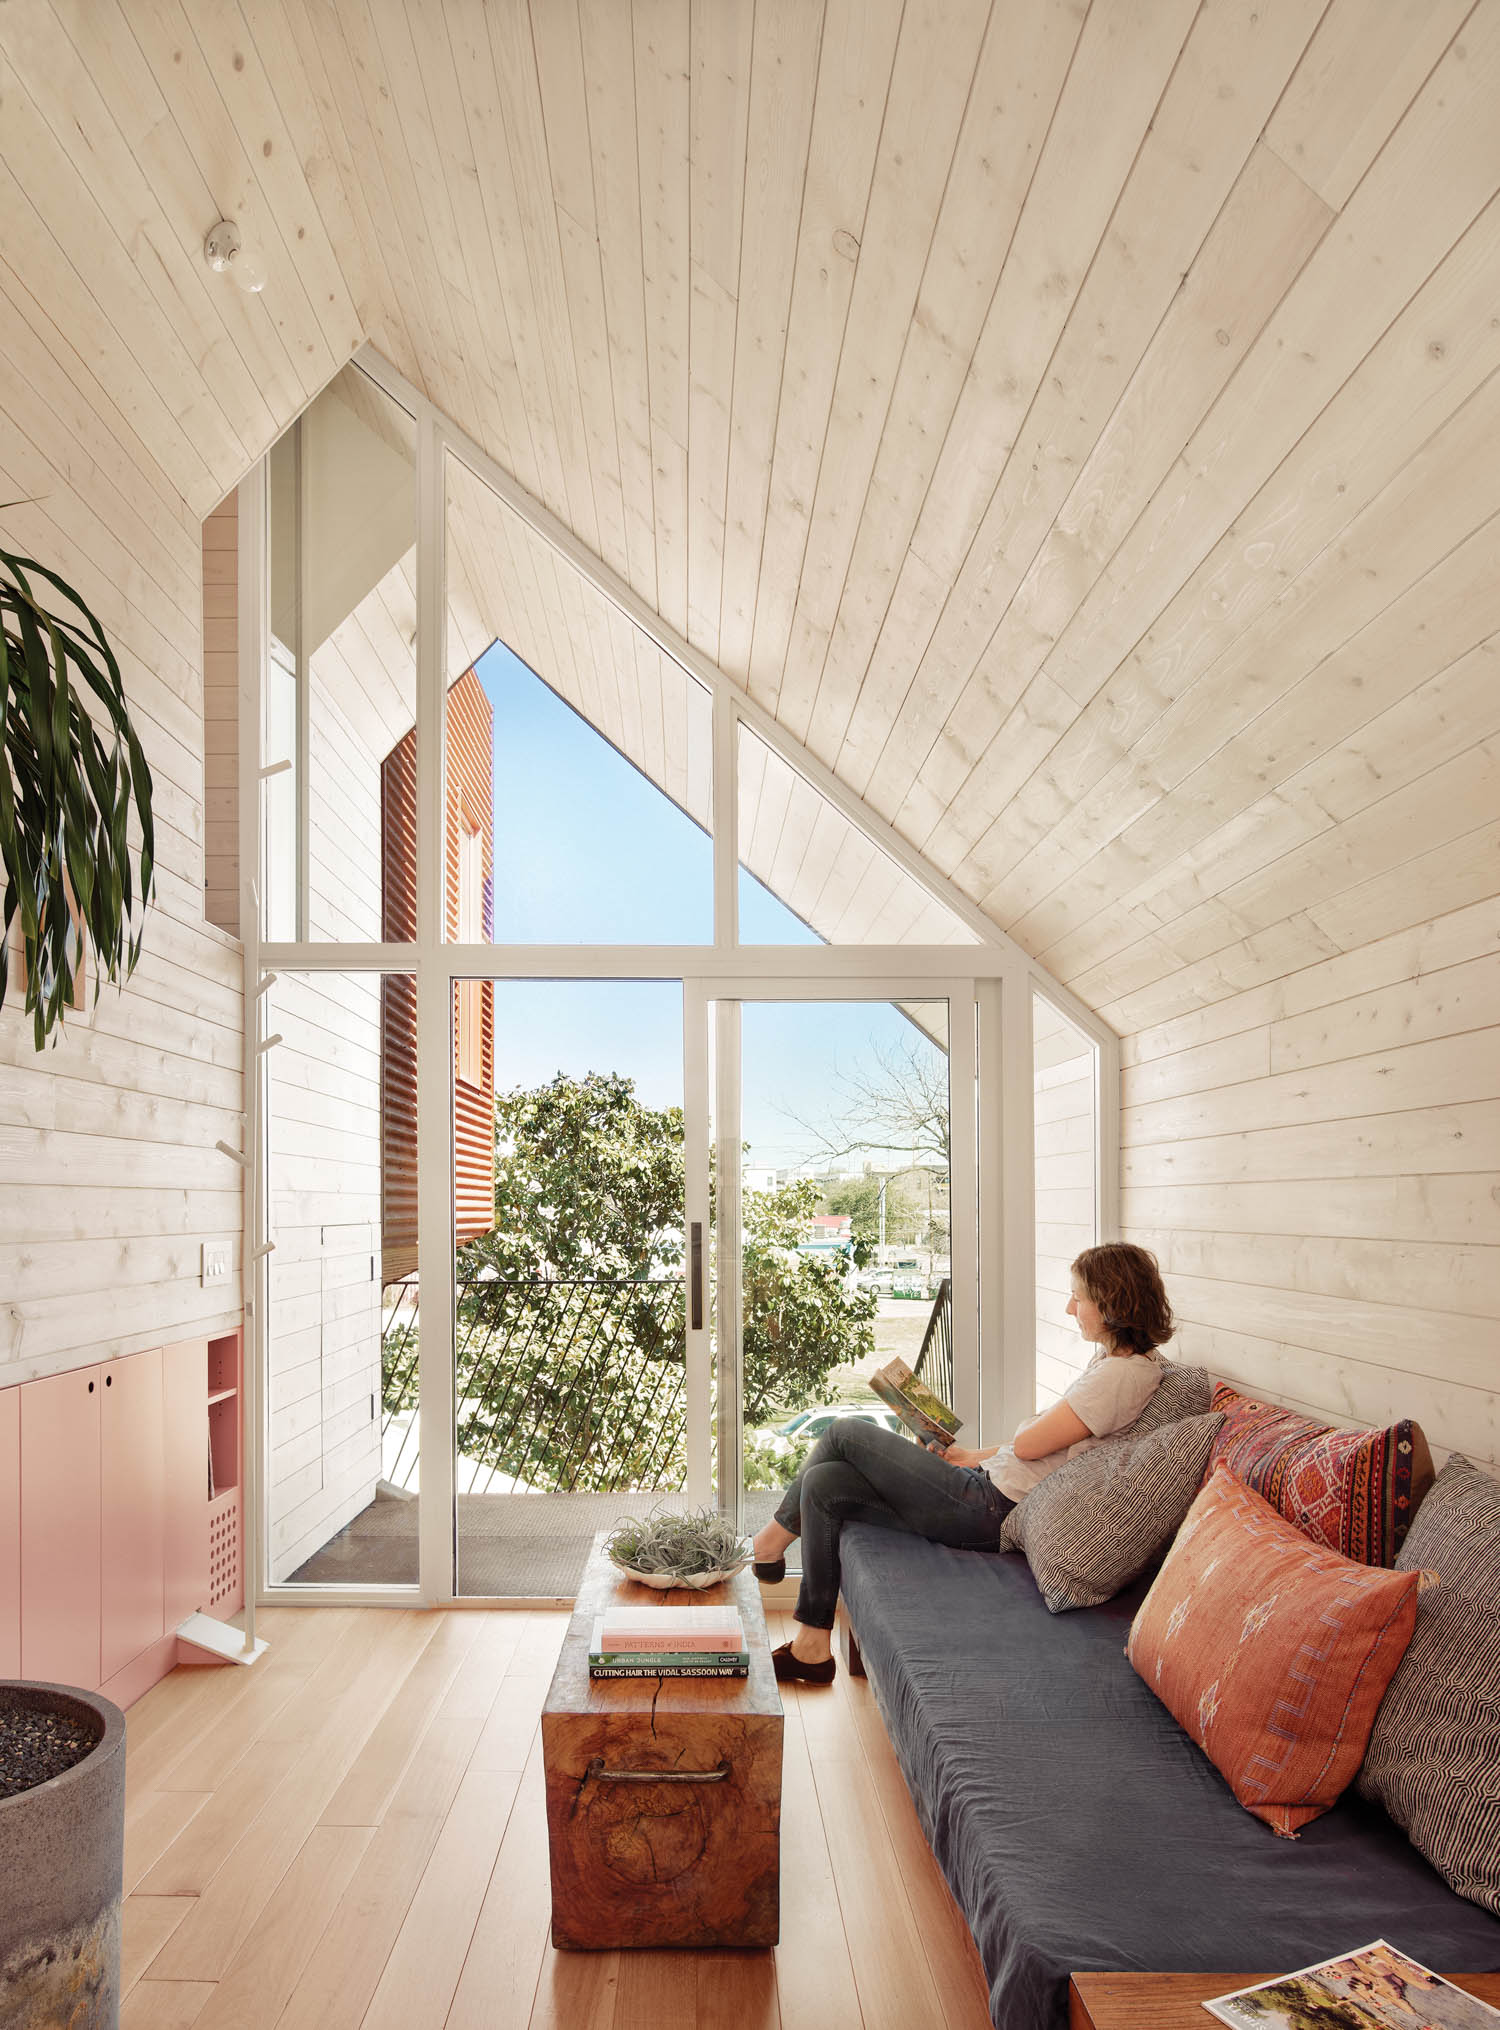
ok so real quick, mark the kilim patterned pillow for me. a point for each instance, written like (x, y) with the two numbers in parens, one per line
(1355, 1491)
(1181, 1392)
(1095, 1524)
(1272, 1652)
(1434, 1758)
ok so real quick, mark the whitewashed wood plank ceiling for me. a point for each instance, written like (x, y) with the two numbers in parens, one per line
(1078, 422)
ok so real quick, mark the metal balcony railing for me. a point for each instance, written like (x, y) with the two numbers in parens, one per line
(934, 1363)
(559, 1387)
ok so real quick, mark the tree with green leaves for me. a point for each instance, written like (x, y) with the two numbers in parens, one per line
(572, 1317)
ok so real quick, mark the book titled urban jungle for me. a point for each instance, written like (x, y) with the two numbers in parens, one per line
(1376, 1988)
(924, 1414)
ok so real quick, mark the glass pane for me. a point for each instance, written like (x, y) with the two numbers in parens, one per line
(342, 700)
(1067, 1214)
(342, 1396)
(588, 755)
(838, 886)
(570, 1352)
(845, 1218)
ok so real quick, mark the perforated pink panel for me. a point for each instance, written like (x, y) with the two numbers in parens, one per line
(226, 1590)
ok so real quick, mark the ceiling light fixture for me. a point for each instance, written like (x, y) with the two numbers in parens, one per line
(225, 253)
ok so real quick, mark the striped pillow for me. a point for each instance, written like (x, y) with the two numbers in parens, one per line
(1096, 1523)
(1181, 1392)
(1434, 1757)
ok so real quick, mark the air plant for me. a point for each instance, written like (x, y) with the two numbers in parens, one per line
(67, 784)
(701, 1540)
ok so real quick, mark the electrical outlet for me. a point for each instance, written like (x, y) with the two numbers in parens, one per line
(215, 1263)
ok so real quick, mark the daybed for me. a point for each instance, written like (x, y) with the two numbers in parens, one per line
(1078, 1825)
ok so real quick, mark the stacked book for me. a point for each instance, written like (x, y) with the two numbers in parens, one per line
(669, 1642)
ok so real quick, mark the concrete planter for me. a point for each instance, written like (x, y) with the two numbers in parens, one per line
(62, 1850)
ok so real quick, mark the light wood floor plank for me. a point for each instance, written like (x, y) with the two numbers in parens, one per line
(576, 1991)
(737, 1991)
(657, 1991)
(427, 1960)
(429, 1907)
(815, 1975)
(164, 2005)
(189, 1864)
(240, 1889)
(267, 1966)
(216, 1748)
(153, 1820)
(362, 1797)
(500, 1974)
(957, 1973)
(147, 1922)
(345, 1970)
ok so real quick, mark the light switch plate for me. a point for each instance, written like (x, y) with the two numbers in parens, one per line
(215, 1265)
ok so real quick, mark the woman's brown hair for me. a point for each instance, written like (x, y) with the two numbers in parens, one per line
(1125, 1282)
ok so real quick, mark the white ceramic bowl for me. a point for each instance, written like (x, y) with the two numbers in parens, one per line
(696, 1582)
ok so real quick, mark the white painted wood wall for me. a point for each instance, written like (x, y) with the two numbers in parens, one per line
(1316, 1160)
(109, 1178)
(1063, 1108)
(323, 1458)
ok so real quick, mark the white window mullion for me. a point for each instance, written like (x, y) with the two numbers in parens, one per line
(434, 1046)
(1018, 1208)
(963, 1208)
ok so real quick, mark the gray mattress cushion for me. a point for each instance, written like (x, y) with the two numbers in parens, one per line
(1077, 1824)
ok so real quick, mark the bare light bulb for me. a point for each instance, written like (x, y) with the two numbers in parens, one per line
(225, 253)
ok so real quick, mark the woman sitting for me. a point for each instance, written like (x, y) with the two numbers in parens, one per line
(860, 1472)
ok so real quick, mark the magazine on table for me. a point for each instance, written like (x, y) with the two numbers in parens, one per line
(1376, 1988)
(924, 1414)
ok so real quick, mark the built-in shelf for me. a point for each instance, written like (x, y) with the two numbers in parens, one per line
(222, 1396)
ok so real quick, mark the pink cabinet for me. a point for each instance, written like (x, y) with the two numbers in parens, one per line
(132, 1509)
(185, 1478)
(10, 1533)
(60, 1580)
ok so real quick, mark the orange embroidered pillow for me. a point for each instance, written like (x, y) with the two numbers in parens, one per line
(1355, 1491)
(1272, 1651)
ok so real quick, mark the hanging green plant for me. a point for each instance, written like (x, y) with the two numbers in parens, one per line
(66, 790)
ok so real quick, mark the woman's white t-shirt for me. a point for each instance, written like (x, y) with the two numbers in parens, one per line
(1110, 1393)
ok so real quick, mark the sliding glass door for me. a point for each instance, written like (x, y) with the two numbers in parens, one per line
(845, 1202)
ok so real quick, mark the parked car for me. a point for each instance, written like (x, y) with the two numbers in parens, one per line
(813, 1423)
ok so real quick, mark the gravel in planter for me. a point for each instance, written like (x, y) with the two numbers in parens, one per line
(35, 1746)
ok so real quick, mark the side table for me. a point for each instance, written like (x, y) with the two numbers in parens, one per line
(663, 1794)
(1175, 2001)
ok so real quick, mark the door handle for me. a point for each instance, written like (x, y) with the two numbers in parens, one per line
(695, 1259)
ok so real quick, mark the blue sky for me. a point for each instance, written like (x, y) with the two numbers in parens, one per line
(588, 851)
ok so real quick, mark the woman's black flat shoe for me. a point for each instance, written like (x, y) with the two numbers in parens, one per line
(772, 1573)
(790, 1668)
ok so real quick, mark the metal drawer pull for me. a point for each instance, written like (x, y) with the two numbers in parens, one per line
(597, 1769)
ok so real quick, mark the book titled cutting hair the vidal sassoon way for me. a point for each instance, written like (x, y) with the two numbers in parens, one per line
(1376, 1988)
(925, 1415)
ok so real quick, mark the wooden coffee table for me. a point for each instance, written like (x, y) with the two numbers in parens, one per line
(663, 1794)
(1175, 2001)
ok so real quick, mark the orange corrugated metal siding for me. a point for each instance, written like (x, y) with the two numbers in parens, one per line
(470, 792)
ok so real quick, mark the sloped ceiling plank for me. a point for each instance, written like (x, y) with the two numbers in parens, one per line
(719, 108)
(1057, 480)
(783, 81)
(940, 44)
(1019, 77)
(854, 68)
(1123, 62)
(1223, 84)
